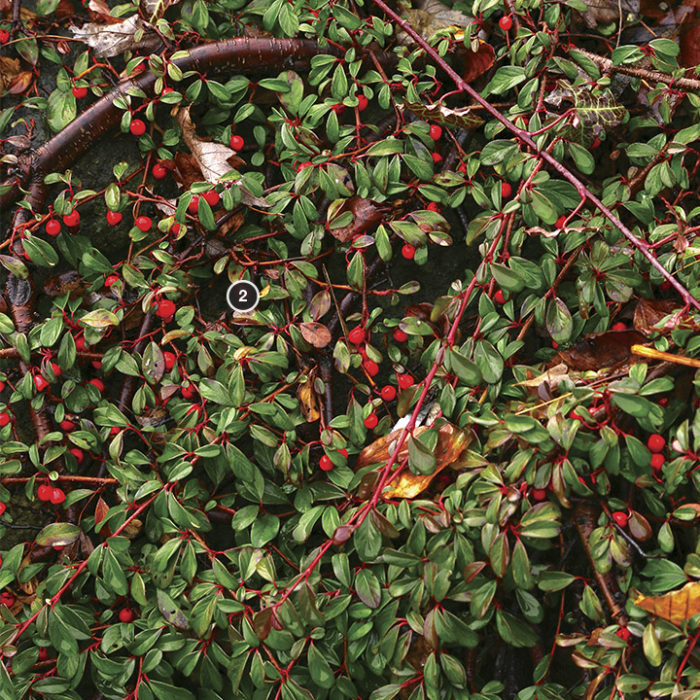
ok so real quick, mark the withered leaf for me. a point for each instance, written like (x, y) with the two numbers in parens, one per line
(308, 401)
(675, 606)
(600, 350)
(649, 312)
(315, 334)
(365, 215)
(452, 442)
(114, 39)
(69, 282)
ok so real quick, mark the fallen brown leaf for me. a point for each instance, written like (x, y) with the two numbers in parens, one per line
(114, 39)
(594, 352)
(365, 213)
(308, 401)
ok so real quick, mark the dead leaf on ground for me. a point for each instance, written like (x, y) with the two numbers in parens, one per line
(675, 606)
(213, 159)
(69, 282)
(315, 334)
(9, 70)
(553, 377)
(594, 352)
(607, 11)
(109, 40)
(430, 17)
(452, 442)
(365, 215)
(649, 312)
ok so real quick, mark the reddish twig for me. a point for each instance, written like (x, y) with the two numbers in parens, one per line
(524, 138)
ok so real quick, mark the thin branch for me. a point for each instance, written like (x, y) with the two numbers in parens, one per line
(525, 138)
(652, 75)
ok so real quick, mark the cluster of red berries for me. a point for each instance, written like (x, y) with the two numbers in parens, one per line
(656, 444)
(47, 493)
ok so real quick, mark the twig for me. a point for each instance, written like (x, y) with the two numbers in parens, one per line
(607, 65)
(524, 137)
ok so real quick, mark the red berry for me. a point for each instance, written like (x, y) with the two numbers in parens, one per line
(126, 615)
(56, 369)
(433, 206)
(326, 463)
(3, 507)
(165, 309)
(301, 166)
(371, 367)
(405, 381)
(343, 452)
(66, 425)
(137, 127)
(193, 206)
(169, 359)
(4, 418)
(4, 36)
(175, 229)
(338, 108)
(596, 143)
(57, 496)
(656, 442)
(499, 297)
(408, 251)
(212, 198)
(620, 518)
(657, 461)
(663, 401)
(538, 494)
(399, 336)
(159, 171)
(143, 223)
(114, 430)
(111, 279)
(619, 326)
(80, 344)
(388, 393)
(53, 227)
(371, 421)
(559, 224)
(44, 492)
(357, 335)
(98, 384)
(188, 391)
(362, 103)
(79, 92)
(73, 219)
(40, 383)
(7, 599)
(624, 634)
(78, 454)
(43, 654)
(236, 142)
(505, 23)
(506, 190)
(437, 158)
(435, 132)
(114, 217)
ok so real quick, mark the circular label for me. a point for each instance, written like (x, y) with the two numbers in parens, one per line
(243, 296)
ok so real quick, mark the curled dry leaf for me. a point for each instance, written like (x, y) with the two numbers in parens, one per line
(113, 39)
(308, 401)
(315, 334)
(675, 606)
(452, 442)
(596, 351)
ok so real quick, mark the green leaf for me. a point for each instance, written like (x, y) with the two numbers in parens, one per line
(320, 670)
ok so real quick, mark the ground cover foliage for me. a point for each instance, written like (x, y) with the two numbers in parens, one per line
(479, 218)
